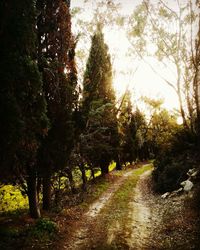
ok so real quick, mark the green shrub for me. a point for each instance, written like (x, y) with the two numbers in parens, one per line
(171, 170)
(43, 228)
(169, 179)
(11, 199)
(172, 164)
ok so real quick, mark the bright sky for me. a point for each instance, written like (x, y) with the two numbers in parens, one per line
(144, 81)
(138, 75)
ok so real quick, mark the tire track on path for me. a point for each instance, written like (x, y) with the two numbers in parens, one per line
(82, 234)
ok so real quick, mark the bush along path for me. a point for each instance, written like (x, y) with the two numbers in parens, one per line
(129, 215)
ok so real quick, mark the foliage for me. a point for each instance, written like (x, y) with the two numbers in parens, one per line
(22, 100)
(23, 105)
(173, 163)
(170, 171)
(59, 73)
(11, 199)
(43, 227)
(99, 140)
(56, 59)
(161, 130)
(133, 130)
(176, 47)
(170, 30)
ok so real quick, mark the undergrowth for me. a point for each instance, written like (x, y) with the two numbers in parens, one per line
(43, 228)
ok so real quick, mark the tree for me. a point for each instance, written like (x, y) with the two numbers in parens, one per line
(22, 103)
(133, 131)
(100, 137)
(104, 12)
(56, 52)
(196, 81)
(126, 140)
(169, 31)
(161, 127)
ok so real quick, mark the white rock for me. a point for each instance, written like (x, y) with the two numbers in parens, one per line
(183, 183)
(187, 185)
(165, 195)
(192, 172)
(177, 191)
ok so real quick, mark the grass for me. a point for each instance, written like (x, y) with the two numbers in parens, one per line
(102, 184)
(32, 235)
(95, 190)
(122, 197)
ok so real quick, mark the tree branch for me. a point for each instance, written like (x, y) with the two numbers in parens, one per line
(155, 26)
(156, 72)
(125, 93)
(164, 4)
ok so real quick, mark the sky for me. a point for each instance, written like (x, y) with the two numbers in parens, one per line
(139, 77)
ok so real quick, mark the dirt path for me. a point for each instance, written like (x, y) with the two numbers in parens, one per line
(82, 235)
(130, 216)
(96, 207)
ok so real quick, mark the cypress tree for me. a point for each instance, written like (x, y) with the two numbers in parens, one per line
(125, 116)
(56, 54)
(100, 140)
(22, 103)
(133, 129)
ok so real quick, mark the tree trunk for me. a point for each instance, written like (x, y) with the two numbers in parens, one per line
(180, 97)
(196, 83)
(84, 178)
(46, 192)
(39, 184)
(32, 194)
(197, 105)
(118, 164)
(92, 172)
(178, 68)
(71, 181)
(104, 169)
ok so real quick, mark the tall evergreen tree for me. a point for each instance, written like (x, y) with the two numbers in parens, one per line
(56, 53)
(100, 140)
(133, 132)
(126, 139)
(22, 103)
